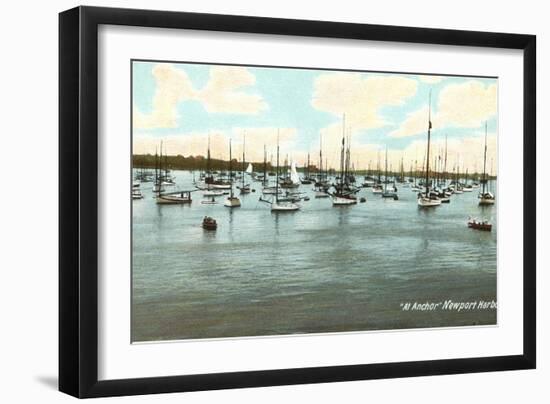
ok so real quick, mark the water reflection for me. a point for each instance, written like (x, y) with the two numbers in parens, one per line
(320, 269)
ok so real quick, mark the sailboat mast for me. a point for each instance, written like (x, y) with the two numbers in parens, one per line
(161, 177)
(208, 157)
(277, 177)
(157, 179)
(265, 167)
(428, 149)
(445, 164)
(244, 144)
(378, 168)
(485, 161)
(230, 170)
(342, 151)
(386, 170)
(415, 171)
(165, 165)
(320, 158)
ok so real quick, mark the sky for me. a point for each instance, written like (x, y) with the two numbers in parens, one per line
(184, 104)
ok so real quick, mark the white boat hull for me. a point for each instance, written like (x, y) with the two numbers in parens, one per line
(232, 202)
(212, 193)
(220, 186)
(284, 207)
(428, 202)
(339, 201)
(172, 200)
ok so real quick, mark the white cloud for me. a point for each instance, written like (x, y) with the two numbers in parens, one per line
(361, 98)
(223, 93)
(466, 105)
(172, 86)
(415, 122)
(196, 143)
(466, 152)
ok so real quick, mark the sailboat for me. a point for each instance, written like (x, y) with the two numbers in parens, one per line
(467, 187)
(209, 180)
(368, 180)
(306, 179)
(343, 194)
(266, 188)
(485, 197)
(321, 184)
(276, 204)
(136, 192)
(291, 179)
(245, 188)
(167, 198)
(457, 187)
(232, 201)
(164, 178)
(389, 191)
(415, 187)
(377, 187)
(427, 199)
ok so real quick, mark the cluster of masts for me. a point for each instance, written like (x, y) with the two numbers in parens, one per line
(280, 188)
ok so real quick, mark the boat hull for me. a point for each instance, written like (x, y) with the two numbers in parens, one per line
(428, 202)
(480, 226)
(172, 200)
(232, 202)
(486, 201)
(340, 201)
(284, 207)
(220, 186)
(212, 193)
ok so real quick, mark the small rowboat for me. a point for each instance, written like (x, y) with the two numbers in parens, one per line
(479, 225)
(209, 224)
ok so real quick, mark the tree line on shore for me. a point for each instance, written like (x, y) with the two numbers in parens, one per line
(200, 163)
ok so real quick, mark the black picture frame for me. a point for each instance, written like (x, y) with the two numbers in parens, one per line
(78, 200)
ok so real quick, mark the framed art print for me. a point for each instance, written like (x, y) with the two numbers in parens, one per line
(249, 201)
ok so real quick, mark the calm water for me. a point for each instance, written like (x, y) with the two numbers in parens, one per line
(321, 269)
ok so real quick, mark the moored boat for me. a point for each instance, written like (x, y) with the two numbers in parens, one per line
(209, 223)
(278, 205)
(174, 198)
(485, 196)
(428, 199)
(484, 225)
(344, 192)
(231, 201)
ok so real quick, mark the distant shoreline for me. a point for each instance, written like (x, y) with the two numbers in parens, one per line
(199, 163)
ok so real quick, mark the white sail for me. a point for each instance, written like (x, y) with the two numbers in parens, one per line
(249, 169)
(294, 177)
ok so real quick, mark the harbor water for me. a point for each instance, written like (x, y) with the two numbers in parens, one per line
(318, 270)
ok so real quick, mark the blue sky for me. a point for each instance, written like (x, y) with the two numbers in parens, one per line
(182, 102)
